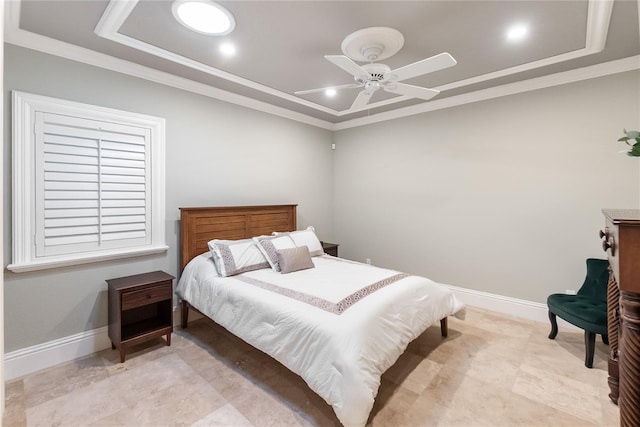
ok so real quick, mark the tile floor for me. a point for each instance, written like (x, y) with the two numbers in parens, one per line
(492, 370)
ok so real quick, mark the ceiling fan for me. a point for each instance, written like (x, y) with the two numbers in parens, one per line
(377, 43)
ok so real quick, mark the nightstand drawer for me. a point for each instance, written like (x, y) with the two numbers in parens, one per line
(146, 296)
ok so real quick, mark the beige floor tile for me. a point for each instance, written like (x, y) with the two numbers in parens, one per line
(263, 409)
(82, 406)
(183, 402)
(51, 383)
(412, 372)
(563, 356)
(504, 325)
(391, 400)
(492, 370)
(14, 413)
(610, 411)
(560, 392)
(227, 416)
(456, 399)
(136, 356)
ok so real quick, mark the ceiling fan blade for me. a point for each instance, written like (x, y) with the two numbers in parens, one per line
(425, 66)
(410, 90)
(362, 99)
(322, 89)
(348, 65)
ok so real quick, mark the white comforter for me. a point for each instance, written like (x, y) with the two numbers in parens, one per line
(340, 356)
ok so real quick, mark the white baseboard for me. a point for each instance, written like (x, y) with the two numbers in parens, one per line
(31, 359)
(515, 307)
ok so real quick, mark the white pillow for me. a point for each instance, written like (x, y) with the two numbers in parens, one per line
(306, 238)
(268, 245)
(236, 256)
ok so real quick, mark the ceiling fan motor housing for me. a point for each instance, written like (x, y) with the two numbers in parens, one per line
(376, 71)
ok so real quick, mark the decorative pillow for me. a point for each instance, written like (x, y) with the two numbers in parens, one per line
(268, 245)
(294, 259)
(236, 256)
(306, 238)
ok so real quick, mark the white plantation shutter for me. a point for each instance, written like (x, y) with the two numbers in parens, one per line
(95, 191)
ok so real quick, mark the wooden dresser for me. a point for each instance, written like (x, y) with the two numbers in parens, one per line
(621, 241)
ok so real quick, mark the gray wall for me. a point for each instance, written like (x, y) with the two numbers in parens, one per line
(502, 196)
(217, 154)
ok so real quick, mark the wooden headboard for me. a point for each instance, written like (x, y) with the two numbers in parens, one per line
(199, 225)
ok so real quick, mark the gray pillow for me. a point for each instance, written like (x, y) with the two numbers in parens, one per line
(294, 259)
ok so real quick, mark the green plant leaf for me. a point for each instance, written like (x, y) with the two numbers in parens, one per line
(624, 138)
(633, 134)
(635, 150)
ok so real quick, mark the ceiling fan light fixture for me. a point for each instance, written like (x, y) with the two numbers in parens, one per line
(203, 16)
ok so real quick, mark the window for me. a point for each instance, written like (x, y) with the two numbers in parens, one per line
(88, 183)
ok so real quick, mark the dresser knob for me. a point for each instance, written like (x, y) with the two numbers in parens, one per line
(604, 233)
(609, 244)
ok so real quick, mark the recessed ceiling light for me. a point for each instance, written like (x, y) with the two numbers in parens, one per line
(517, 32)
(203, 16)
(330, 92)
(227, 49)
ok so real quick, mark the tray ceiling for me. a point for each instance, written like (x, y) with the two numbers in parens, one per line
(280, 45)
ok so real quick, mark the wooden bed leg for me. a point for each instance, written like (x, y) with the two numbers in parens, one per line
(444, 327)
(184, 314)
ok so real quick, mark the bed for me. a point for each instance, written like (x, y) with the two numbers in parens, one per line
(339, 324)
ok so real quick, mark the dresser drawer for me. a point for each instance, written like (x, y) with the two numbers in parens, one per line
(146, 296)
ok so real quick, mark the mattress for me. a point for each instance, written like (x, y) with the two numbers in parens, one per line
(339, 325)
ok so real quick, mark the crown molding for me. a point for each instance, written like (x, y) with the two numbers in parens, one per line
(599, 14)
(594, 71)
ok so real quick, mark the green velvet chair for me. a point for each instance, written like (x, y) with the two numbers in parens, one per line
(586, 310)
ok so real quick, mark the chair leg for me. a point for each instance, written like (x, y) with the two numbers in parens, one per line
(605, 339)
(554, 325)
(590, 347)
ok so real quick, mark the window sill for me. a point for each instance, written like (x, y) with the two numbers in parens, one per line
(66, 261)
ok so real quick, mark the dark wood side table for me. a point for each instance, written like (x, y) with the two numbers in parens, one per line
(140, 309)
(330, 248)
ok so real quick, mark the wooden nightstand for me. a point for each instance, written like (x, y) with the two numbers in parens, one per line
(140, 309)
(330, 248)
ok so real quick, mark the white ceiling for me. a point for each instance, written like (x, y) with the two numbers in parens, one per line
(281, 47)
